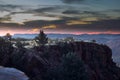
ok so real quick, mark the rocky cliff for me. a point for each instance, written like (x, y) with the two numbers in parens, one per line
(97, 60)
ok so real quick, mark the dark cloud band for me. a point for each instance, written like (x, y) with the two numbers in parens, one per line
(71, 1)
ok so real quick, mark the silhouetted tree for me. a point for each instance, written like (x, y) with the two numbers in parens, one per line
(8, 37)
(41, 39)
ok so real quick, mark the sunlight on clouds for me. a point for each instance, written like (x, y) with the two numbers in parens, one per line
(21, 23)
(50, 27)
(21, 18)
(90, 19)
(34, 30)
(113, 14)
(76, 22)
(3, 13)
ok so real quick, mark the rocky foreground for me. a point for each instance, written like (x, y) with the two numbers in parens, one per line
(11, 74)
(97, 60)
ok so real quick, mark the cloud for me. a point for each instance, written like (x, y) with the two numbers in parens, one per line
(58, 18)
(100, 15)
(2, 2)
(5, 19)
(4, 14)
(44, 24)
(36, 23)
(50, 13)
(67, 25)
(52, 26)
(46, 9)
(12, 26)
(96, 13)
(77, 22)
(91, 19)
(20, 18)
(71, 1)
(8, 7)
(33, 30)
(71, 12)
(115, 10)
(103, 25)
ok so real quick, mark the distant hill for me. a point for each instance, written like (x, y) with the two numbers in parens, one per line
(82, 36)
(27, 36)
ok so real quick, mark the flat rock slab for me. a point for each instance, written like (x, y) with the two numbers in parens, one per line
(11, 74)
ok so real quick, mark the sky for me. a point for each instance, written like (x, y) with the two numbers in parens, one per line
(60, 16)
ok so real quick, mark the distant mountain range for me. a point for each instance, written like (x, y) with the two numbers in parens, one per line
(82, 36)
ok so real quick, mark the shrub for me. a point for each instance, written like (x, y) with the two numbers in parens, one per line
(71, 68)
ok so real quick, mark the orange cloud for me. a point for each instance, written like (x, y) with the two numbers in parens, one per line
(90, 19)
(50, 26)
(34, 30)
(76, 22)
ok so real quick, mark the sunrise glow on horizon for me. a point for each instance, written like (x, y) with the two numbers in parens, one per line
(3, 33)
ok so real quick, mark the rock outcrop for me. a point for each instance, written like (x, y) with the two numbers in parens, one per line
(97, 60)
(11, 74)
